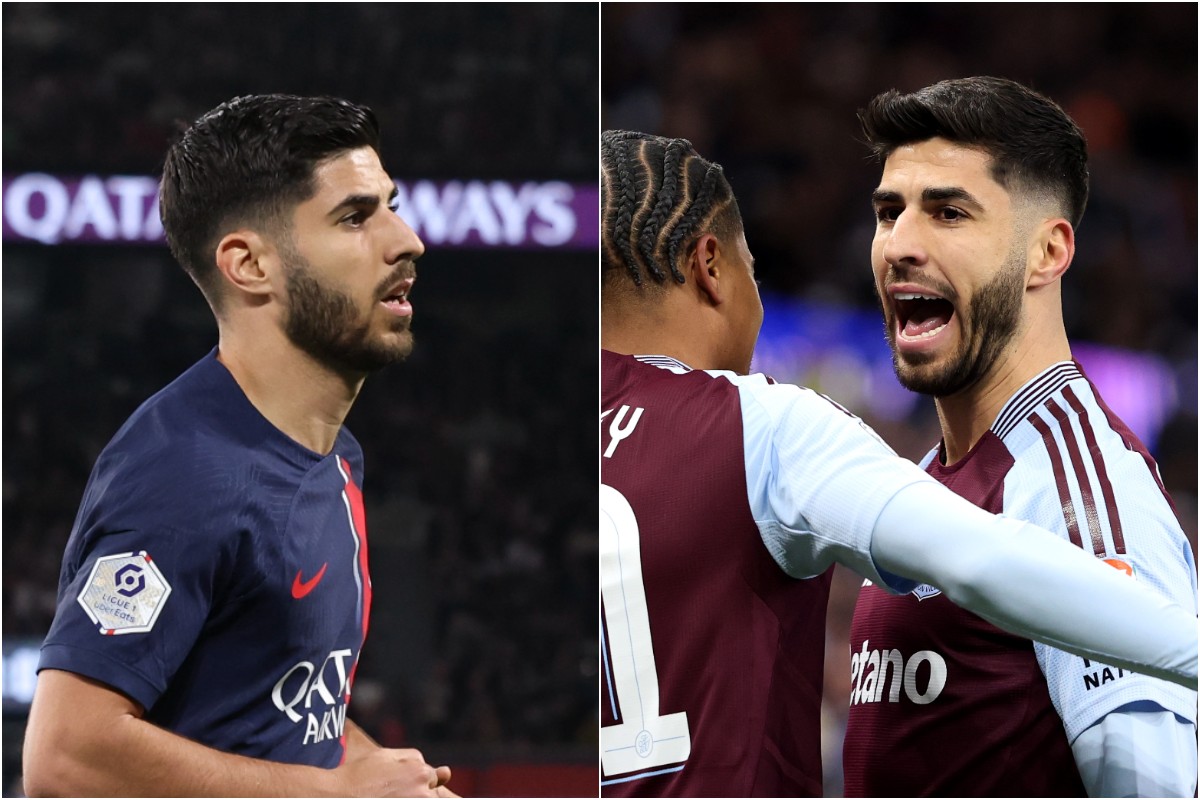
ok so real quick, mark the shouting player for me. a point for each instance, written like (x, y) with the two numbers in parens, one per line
(726, 497)
(984, 184)
(215, 594)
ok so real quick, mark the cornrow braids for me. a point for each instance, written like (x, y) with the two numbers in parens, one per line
(659, 194)
(665, 202)
(623, 219)
(700, 210)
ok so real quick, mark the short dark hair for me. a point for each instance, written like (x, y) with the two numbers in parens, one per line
(658, 197)
(250, 161)
(1034, 145)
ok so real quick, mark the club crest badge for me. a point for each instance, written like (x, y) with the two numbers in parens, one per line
(124, 594)
(925, 591)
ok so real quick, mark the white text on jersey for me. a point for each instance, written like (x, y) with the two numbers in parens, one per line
(617, 433)
(880, 674)
(328, 721)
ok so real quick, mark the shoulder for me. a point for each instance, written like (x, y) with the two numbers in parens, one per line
(1069, 437)
(1080, 471)
(794, 410)
(189, 451)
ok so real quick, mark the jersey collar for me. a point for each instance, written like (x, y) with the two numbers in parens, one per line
(665, 362)
(1033, 394)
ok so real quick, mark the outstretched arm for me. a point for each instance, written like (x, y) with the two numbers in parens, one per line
(85, 739)
(1032, 583)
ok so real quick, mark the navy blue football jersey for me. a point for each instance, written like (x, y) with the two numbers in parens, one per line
(217, 574)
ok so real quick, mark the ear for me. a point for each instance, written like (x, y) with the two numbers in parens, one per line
(1054, 244)
(244, 259)
(703, 265)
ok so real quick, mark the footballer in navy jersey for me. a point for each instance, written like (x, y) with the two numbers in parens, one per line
(217, 574)
(215, 592)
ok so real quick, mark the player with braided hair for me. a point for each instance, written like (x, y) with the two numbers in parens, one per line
(726, 497)
(659, 220)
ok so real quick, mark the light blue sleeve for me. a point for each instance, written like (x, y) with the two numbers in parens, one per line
(1136, 753)
(1045, 588)
(817, 478)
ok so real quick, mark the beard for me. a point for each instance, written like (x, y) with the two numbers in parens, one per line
(987, 324)
(327, 325)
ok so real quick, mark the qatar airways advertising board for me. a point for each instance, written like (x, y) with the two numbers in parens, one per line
(123, 209)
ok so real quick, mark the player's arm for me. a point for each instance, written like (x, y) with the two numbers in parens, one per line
(359, 743)
(85, 739)
(1138, 753)
(1030, 582)
(860, 504)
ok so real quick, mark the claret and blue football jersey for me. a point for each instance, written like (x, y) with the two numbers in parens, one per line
(944, 703)
(217, 575)
(717, 528)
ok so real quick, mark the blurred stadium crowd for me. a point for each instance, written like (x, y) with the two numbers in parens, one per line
(771, 93)
(480, 469)
(482, 90)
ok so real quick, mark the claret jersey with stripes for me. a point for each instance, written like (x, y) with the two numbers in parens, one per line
(217, 575)
(725, 500)
(942, 702)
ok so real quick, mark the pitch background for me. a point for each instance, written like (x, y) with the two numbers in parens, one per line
(770, 92)
(480, 469)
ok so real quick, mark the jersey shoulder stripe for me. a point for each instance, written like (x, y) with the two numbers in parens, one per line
(1032, 395)
(1096, 462)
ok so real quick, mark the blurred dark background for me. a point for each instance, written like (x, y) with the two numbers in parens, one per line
(771, 93)
(480, 470)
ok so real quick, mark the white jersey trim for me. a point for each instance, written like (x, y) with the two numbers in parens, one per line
(1033, 394)
(1073, 474)
(665, 362)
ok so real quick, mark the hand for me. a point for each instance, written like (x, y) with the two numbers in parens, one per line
(443, 777)
(393, 773)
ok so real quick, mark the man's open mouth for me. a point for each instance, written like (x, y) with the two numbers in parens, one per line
(921, 315)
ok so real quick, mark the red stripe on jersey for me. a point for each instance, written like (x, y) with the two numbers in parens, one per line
(1106, 489)
(1085, 483)
(1060, 477)
(359, 516)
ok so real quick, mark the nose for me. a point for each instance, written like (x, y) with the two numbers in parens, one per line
(404, 244)
(903, 240)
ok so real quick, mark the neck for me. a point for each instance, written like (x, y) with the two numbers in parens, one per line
(967, 415)
(303, 398)
(665, 331)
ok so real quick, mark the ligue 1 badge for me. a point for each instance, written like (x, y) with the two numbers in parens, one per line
(124, 593)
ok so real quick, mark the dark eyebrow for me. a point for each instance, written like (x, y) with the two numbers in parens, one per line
(881, 196)
(938, 193)
(933, 194)
(366, 201)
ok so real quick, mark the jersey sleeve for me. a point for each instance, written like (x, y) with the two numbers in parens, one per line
(1130, 524)
(817, 479)
(131, 604)
(1138, 754)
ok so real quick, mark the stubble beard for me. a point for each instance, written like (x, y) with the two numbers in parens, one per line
(326, 324)
(986, 328)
